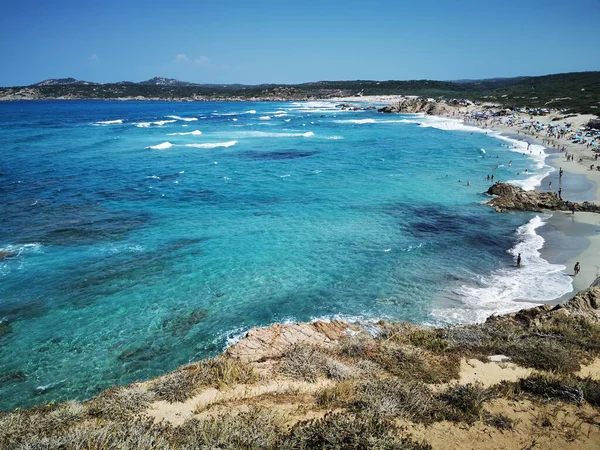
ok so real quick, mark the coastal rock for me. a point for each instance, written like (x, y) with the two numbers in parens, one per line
(513, 198)
(418, 105)
(273, 341)
(5, 254)
(586, 304)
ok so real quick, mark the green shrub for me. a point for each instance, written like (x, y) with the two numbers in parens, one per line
(553, 387)
(543, 354)
(465, 402)
(346, 431)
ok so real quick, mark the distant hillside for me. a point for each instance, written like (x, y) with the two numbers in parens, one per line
(64, 82)
(577, 92)
(160, 81)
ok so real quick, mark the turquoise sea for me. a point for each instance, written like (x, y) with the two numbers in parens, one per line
(139, 236)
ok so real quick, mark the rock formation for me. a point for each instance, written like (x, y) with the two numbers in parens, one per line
(418, 105)
(513, 198)
(586, 305)
(272, 342)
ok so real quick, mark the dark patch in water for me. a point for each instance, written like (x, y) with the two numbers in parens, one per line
(278, 155)
(106, 277)
(19, 309)
(113, 227)
(5, 328)
(12, 377)
(181, 323)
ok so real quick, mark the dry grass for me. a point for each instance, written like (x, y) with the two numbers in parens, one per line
(347, 431)
(393, 398)
(256, 428)
(304, 362)
(413, 364)
(120, 403)
(338, 395)
(220, 372)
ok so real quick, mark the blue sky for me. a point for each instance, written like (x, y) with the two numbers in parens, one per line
(283, 41)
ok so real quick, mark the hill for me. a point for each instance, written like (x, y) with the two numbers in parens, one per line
(577, 92)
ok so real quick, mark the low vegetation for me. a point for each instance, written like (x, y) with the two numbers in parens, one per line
(363, 387)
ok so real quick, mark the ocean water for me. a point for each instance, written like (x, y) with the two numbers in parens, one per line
(144, 235)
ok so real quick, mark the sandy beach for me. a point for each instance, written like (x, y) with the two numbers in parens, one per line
(578, 165)
(581, 226)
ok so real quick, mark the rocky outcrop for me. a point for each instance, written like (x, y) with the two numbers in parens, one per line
(350, 107)
(513, 198)
(5, 254)
(272, 342)
(418, 105)
(586, 304)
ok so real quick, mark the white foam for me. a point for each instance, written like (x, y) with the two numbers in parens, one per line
(160, 123)
(109, 122)
(192, 133)
(357, 121)
(234, 119)
(123, 248)
(499, 292)
(185, 119)
(163, 146)
(265, 117)
(271, 134)
(538, 155)
(16, 253)
(19, 249)
(213, 144)
(287, 120)
(281, 115)
(335, 138)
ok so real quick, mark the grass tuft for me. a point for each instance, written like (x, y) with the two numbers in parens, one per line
(465, 402)
(304, 362)
(346, 431)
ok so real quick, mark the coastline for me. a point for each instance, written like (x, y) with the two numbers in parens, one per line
(578, 225)
(583, 227)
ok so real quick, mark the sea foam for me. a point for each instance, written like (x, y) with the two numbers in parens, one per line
(213, 144)
(109, 122)
(503, 290)
(185, 119)
(163, 146)
(192, 133)
(275, 134)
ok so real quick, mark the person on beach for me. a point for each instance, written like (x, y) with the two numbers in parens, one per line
(560, 193)
(573, 208)
(577, 268)
(519, 260)
(550, 185)
(560, 173)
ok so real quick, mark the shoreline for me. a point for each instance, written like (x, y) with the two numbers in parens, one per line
(583, 227)
(580, 225)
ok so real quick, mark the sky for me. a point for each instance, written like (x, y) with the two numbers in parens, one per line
(287, 41)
